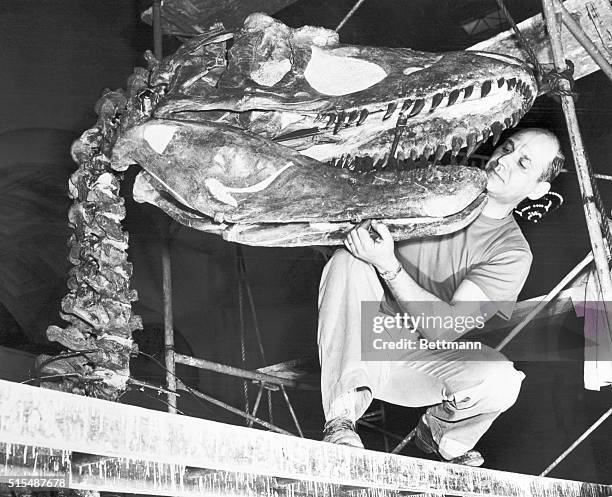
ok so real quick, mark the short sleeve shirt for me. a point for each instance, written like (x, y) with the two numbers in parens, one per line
(491, 253)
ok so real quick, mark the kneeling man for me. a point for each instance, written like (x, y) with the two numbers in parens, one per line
(471, 274)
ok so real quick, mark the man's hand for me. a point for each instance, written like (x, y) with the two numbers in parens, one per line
(380, 253)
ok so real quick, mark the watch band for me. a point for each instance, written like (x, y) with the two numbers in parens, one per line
(391, 275)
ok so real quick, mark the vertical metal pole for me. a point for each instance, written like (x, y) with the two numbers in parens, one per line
(166, 257)
(157, 30)
(168, 324)
(591, 213)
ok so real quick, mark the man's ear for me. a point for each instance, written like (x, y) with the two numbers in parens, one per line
(541, 189)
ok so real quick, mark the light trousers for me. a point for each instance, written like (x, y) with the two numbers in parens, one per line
(466, 389)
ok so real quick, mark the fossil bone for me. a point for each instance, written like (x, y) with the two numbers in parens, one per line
(292, 133)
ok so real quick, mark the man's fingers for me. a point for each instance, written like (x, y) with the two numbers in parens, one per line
(364, 237)
(382, 230)
(355, 240)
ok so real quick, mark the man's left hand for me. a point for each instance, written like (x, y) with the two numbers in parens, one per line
(380, 253)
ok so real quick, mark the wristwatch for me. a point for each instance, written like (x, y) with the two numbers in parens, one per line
(392, 274)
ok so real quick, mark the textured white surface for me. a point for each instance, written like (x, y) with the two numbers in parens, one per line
(334, 75)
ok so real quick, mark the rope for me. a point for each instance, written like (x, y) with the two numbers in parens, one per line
(349, 15)
(549, 79)
(245, 385)
(603, 221)
(247, 286)
(522, 40)
(553, 81)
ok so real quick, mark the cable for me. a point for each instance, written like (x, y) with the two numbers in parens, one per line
(524, 43)
(349, 15)
(245, 385)
(187, 387)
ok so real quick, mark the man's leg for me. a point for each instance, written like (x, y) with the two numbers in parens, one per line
(468, 390)
(346, 381)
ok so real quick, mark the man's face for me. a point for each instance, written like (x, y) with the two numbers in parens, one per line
(515, 167)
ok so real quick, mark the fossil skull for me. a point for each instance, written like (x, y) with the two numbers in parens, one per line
(288, 137)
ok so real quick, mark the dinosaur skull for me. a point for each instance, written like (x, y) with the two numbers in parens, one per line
(333, 101)
(246, 142)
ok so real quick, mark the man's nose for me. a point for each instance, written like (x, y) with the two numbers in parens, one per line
(501, 163)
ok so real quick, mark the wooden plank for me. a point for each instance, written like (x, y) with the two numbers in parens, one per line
(62, 421)
(192, 17)
(534, 29)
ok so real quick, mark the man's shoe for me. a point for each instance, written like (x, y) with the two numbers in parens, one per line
(422, 438)
(341, 431)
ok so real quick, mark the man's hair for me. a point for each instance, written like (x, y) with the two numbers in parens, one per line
(553, 169)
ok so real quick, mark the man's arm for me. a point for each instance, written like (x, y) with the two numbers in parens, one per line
(468, 301)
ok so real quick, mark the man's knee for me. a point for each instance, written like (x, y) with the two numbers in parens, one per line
(343, 263)
(497, 390)
(504, 384)
(343, 258)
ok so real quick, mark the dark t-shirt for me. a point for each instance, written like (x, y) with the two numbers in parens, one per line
(491, 253)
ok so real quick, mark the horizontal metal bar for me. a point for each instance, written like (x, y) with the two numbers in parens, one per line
(240, 373)
(171, 443)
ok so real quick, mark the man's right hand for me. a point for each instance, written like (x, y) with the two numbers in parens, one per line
(380, 253)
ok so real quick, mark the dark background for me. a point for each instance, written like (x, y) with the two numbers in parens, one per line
(56, 58)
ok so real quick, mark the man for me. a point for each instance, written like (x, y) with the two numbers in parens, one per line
(477, 271)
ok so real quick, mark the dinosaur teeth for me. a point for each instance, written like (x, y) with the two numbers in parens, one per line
(380, 161)
(516, 117)
(390, 110)
(363, 116)
(511, 83)
(485, 89)
(456, 143)
(414, 154)
(472, 143)
(339, 122)
(436, 100)
(508, 122)
(497, 129)
(418, 107)
(330, 120)
(346, 162)
(352, 116)
(468, 92)
(453, 96)
(486, 133)
(407, 104)
(500, 82)
(427, 151)
(440, 151)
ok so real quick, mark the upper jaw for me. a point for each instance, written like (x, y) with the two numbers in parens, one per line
(451, 100)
